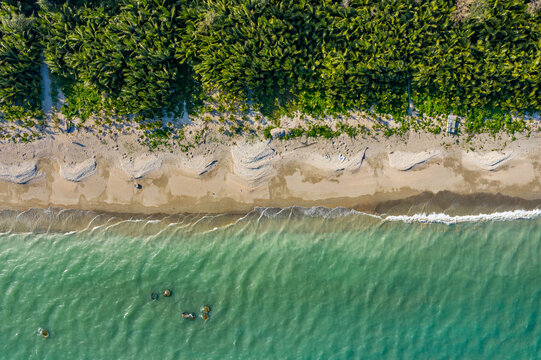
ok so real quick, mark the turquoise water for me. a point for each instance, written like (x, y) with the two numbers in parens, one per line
(282, 285)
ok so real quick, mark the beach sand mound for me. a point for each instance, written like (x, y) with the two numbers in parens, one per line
(199, 165)
(19, 173)
(141, 166)
(486, 160)
(253, 162)
(406, 160)
(336, 163)
(78, 171)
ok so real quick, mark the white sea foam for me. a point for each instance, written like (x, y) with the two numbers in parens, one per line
(448, 219)
(52, 221)
(441, 218)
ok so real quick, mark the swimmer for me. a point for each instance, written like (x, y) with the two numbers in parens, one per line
(167, 293)
(187, 315)
(205, 316)
(154, 296)
(43, 332)
(205, 309)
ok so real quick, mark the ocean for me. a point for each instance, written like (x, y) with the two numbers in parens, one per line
(281, 284)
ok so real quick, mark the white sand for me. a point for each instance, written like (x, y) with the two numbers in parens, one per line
(78, 171)
(199, 165)
(141, 166)
(486, 160)
(20, 173)
(253, 162)
(336, 163)
(406, 160)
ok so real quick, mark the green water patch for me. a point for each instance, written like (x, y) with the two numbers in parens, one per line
(283, 288)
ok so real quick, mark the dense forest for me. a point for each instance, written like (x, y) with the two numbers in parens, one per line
(478, 59)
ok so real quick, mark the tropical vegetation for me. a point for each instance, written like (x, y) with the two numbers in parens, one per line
(20, 52)
(155, 57)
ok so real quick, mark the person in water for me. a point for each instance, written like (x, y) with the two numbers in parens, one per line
(189, 316)
(43, 332)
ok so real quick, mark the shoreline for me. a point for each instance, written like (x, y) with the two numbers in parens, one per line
(54, 220)
(371, 175)
(426, 203)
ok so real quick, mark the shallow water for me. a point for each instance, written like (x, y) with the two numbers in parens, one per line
(292, 284)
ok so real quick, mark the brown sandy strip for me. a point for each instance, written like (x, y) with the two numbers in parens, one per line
(343, 172)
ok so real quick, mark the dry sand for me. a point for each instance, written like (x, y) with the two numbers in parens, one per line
(486, 160)
(403, 161)
(83, 171)
(253, 162)
(19, 172)
(140, 166)
(78, 171)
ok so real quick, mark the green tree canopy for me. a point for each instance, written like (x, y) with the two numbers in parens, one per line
(134, 54)
(20, 51)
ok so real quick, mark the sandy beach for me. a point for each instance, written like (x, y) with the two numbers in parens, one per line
(84, 171)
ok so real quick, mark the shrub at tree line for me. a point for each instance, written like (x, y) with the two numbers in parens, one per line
(326, 56)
